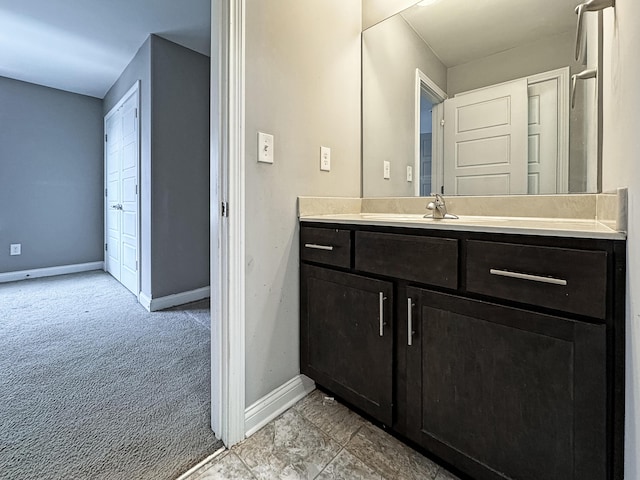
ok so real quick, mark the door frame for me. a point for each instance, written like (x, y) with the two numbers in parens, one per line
(437, 138)
(227, 184)
(135, 89)
(561, 75)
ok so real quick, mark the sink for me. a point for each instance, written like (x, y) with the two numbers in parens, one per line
(390, 217)
(420, 218)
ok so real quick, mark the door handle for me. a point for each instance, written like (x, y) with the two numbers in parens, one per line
(318, 247)
(528, 276)
(381, 298)
(117, 206)
(409, 322)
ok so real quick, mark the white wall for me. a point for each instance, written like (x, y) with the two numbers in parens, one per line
(374, 11)
(391, 51)
(303, 86)
(549, 53)
(621, 153)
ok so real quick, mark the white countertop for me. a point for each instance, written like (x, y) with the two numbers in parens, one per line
(555, 227)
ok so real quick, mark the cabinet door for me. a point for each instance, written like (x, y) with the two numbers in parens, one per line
(505, 393)
(346, 337)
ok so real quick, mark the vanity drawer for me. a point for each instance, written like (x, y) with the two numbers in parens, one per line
(564, 279)
(426, 260)
(330, 246)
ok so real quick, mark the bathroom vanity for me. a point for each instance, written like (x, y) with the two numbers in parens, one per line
(497, 348)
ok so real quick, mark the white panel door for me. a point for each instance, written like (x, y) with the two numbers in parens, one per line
(112, 214)
(122, 159)
(485, 138)
(543, 137)
(129, 187)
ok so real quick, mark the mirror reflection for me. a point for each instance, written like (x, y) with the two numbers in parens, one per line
(473, 98)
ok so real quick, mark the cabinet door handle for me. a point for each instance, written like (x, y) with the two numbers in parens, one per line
(526, 276)
(382, 298)
(409, 322)
(318, 247)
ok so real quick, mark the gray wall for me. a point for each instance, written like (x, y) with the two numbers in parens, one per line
(180, 168)
(391, 52)
(174, 164)
(140, 69)
(621, 147)
(51, 176)
(303, 86)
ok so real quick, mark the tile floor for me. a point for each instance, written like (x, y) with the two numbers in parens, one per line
(321, 439)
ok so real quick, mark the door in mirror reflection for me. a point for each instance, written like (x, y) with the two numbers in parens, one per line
(504, 139)
(485, 141)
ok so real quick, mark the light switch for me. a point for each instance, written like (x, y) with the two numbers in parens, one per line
(16, 249)
(387, 170)
(409, 173)
(265, 147)
(325, 159)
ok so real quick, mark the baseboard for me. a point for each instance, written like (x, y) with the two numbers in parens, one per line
(160, 303)
(274, 403)
(145, 301)
(50, 271)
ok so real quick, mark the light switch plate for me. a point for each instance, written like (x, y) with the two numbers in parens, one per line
(387, 170)
(16, 249)
(265, 147)
(409, 173)
(325, 159)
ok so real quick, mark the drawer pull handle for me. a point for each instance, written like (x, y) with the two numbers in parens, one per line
(526, 276)
(409, 323)
(382, 299)
(318, 247)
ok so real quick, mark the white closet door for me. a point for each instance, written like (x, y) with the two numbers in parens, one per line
(121, 167)
(485, 137)
(128, 187)
(112, 214)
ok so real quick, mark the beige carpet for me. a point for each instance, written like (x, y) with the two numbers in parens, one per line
(92, 386)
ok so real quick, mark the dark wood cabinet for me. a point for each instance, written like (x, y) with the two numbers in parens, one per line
(503, 355)
(347, 337)
(508, 393)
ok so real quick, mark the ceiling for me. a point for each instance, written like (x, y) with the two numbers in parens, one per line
(83, 46)
(459, 31)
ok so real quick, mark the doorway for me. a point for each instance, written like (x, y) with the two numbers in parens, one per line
(429, 138)
(121, 155)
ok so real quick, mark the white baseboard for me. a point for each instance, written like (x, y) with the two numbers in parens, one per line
(50, 271)
(145, 301)
(160, 303)
(274, 403)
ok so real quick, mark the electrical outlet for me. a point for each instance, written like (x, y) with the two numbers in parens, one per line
(265, 147)
(325, 159)
(16, 249)
(386, 170)
(409, 173)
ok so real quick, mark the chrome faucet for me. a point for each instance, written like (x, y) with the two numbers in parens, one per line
(439, 208)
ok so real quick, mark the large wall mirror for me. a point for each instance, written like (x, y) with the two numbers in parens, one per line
(475, 98)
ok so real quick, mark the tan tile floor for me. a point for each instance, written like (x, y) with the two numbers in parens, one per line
(321, 439)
